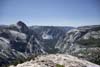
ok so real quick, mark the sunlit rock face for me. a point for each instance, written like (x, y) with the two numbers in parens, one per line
(56, 60)
(46, 36)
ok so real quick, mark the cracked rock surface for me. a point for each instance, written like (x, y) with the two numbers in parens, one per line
(52, 60)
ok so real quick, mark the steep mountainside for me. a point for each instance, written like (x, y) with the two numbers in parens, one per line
(17, 42)
(83, 42)
(49, 35)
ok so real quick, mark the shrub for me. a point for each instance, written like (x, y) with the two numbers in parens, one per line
(58, 65)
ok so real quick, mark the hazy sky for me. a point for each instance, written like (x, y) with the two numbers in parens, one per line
(50, 12)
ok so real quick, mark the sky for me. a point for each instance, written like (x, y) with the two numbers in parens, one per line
(50, 12)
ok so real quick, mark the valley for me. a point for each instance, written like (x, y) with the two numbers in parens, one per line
(20, 43)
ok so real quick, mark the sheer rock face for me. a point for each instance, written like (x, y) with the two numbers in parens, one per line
(56, 59)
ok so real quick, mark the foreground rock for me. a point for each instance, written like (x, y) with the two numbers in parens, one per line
(56, 60)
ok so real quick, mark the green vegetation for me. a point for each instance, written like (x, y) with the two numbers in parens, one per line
(58, 65)
(92, 55)
(51, 48)
(90, 42)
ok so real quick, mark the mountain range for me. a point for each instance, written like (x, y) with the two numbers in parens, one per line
(19, 42)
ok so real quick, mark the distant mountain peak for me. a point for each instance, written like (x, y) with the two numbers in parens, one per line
(20, 23)
(23, 26)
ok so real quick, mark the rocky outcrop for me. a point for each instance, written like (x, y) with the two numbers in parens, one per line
(56, 60)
